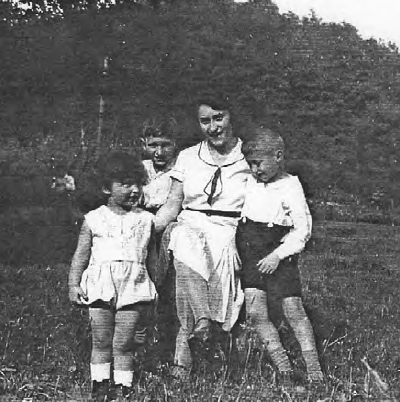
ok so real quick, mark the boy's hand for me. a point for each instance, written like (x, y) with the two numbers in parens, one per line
(269, 264)
(77, 295)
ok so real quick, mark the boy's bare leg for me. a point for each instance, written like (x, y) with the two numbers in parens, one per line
(294, 311)
(257, 312)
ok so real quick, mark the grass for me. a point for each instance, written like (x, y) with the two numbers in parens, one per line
(350, 277)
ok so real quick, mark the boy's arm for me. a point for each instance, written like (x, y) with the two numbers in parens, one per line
(79, 263)
(295, 241)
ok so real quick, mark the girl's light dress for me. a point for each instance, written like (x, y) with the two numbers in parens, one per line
(117, 272)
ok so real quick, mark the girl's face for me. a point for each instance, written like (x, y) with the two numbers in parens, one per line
(125, 194)
(161, 151)
(266, 166)
(215, 125)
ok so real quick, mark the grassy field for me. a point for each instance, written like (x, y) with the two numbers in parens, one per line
(351, 282)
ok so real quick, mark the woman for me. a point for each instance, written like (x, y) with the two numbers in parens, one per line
(206, 197)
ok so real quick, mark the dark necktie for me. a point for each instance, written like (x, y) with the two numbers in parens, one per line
(214, 182)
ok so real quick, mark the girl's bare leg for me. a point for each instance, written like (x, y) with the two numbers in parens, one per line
(294, 311)
(257, 311)
(102, 325)
(126, 322)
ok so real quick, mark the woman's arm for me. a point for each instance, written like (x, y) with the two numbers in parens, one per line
(170, 210)
(79, 263)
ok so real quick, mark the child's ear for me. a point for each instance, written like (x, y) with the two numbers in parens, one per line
(279, 155)
(143, 143)
(105, 190)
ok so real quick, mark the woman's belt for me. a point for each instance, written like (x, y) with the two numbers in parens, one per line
(212, 212)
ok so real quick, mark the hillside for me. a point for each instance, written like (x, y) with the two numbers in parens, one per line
(333, 96)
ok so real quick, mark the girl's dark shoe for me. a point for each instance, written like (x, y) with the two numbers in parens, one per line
(120, 393)
(100, 391)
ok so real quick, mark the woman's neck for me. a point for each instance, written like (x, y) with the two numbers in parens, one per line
(220, 153)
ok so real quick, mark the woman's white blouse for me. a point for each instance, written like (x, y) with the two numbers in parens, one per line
(280, 203)
(195, 168)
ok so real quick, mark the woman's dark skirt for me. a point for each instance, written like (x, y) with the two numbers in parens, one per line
(255, 240)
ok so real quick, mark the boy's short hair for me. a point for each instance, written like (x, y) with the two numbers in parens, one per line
(120, 165)
(165, 127)
(263, 141)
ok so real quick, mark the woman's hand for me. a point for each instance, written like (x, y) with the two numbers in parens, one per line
(269, 264)
(77, 295)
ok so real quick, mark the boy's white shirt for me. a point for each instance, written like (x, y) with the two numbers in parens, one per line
(156, 191)
(280, 203)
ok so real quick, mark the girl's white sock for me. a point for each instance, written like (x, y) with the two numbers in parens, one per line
(100, 372)
(124, 378)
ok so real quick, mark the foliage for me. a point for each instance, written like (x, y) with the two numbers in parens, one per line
(333, 96)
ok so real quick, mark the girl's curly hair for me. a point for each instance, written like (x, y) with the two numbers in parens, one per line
(120, 165)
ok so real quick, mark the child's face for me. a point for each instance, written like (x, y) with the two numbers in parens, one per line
(161, 150)
(265, 166)
(125, 194)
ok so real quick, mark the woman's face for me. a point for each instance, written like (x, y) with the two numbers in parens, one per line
(216, 126)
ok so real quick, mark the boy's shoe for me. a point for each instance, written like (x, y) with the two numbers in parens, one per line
(285, 381)
(316, 382)
(180, 373)
(100, 391)
(315, 377)
(120, 393)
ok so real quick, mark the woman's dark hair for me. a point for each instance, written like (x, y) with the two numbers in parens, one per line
(216, 99)
(119, 165)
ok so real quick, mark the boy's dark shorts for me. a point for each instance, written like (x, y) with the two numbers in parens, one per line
(255, 240)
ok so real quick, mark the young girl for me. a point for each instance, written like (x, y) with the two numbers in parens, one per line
(274, 228)
(109, 274)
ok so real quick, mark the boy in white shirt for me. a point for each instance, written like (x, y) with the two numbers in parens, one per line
(274, 228)
(159, 145)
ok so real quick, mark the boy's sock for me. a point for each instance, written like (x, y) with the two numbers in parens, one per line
(312, 361)
(122, 377)
(280, 359)
(100, 372)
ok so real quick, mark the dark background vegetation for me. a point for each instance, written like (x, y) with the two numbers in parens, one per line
(333, 96)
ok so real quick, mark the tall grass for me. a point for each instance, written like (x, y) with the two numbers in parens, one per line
(350, 277)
